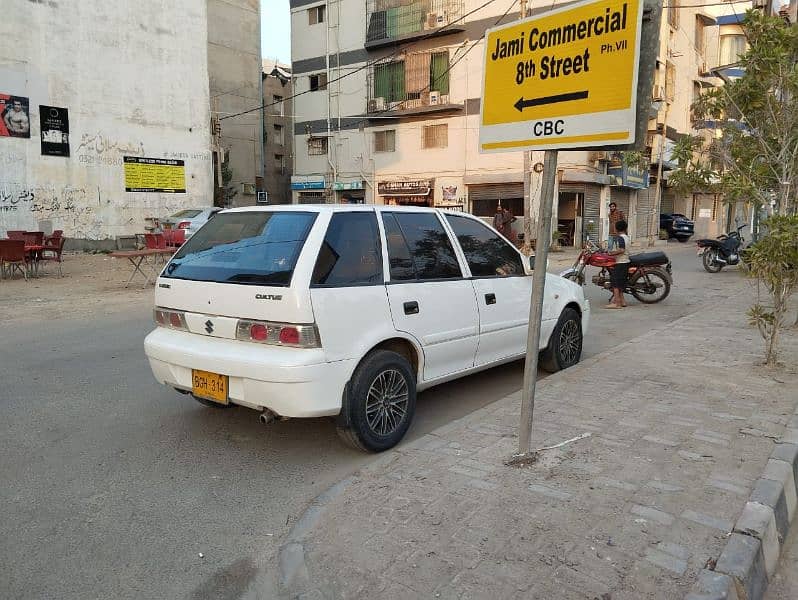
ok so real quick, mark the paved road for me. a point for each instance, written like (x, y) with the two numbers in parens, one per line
(113, 485)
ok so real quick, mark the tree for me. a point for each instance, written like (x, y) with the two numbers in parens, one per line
(748, 151)
(773, 262)
(749, 147)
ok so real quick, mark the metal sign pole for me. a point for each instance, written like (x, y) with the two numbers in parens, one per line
(536, 305)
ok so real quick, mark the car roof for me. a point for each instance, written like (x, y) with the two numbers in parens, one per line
(328, 208)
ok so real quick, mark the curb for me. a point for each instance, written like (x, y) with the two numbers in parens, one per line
(751, 556)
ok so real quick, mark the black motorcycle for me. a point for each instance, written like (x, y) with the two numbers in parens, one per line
(725, 250)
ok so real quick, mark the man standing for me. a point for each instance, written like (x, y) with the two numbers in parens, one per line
(615, 216)
(16, 120)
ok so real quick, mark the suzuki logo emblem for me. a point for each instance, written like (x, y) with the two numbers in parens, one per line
(209, 326)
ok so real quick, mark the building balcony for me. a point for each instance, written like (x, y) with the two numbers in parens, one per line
(415, 84)
(393, 22)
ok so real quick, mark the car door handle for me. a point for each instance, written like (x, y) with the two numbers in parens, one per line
(490, 298)
(411, 308)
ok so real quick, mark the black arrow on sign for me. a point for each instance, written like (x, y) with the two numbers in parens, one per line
(522, 104)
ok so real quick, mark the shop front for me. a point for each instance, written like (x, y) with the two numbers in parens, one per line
(350, 192)
(308, 189)
(418, 192)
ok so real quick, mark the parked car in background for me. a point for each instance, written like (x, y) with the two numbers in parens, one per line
(677, 225)
(190, 219)
(346, 311)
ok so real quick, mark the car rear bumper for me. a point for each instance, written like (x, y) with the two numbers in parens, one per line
(291, 382)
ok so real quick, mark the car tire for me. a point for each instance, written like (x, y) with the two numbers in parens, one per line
(682, 239)
(565, 344)
(380, 404)
(211, 403)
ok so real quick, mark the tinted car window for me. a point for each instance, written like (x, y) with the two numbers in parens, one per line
(350, 254)
(426, 247)
(487, 254)
(399, 259)
(257, 248)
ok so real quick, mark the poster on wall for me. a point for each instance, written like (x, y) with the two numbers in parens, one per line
(54, 129)
(14, 116)
(154, 175)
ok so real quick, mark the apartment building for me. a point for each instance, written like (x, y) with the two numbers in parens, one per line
(234, 72)
(389, 113)
(278, 135)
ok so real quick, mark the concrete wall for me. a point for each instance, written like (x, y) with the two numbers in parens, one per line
(134, 79)
(277, 181)
(234, 68)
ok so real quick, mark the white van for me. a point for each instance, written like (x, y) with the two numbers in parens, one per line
(348, 311)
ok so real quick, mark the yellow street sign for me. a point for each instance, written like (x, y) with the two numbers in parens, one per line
(562, 79)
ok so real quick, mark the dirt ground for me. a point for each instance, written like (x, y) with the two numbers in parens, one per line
(92, 284)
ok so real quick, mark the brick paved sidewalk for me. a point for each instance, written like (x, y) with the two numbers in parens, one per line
(681, 423)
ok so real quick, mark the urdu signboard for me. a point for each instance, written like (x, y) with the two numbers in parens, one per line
(562, 79)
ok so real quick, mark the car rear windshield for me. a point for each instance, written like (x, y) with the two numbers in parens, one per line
(255, 248)
(186, 214)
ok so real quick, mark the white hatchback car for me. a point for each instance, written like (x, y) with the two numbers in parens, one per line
(348, 311)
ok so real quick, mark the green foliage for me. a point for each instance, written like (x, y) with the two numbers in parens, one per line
(748, 149)
(773, 262)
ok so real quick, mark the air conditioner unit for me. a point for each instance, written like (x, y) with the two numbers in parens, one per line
(435, 20)
(431, 22)
(263, 198)
(658, 93)
(434, 98)
(376, 104)
(444, 99)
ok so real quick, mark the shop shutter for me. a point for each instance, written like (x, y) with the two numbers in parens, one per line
(591, 210)
(645, 214)
(495, 191)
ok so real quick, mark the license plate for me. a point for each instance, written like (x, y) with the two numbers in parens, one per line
(210, 386)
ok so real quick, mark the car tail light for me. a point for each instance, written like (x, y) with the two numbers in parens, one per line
(173, 319)
(278, 334)
(184, 225)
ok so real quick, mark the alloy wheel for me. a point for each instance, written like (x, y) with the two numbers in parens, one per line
(386, 402)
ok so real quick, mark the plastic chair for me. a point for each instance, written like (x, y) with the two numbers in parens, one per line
(176, 237)
(12, 254)
(151, 240)
(34, 238)
(52, 252)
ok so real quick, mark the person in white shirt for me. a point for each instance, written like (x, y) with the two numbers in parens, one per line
(620, 270)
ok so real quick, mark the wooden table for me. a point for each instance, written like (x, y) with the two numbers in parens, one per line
(137, 258)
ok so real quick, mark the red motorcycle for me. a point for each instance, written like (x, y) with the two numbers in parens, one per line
(649, 278)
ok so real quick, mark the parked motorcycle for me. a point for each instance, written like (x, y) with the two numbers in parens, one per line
(725, 250)
(649, 278)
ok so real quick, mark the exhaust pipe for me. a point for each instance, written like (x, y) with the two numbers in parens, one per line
(267, 417)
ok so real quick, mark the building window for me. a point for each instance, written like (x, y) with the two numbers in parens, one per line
(731, 48)
(317, 146)
(316, 15)
(277, 104)
(670, 82)
(673, 13)
(385, 141)
(436, 136)
(699, 35)
(318, 82)
(279, 164)
(412, 79)
(279, 137)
